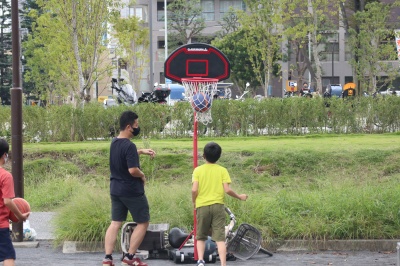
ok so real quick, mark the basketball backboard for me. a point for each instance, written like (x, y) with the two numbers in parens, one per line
(196, 60)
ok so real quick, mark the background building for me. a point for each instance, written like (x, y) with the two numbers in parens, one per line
(335, 60)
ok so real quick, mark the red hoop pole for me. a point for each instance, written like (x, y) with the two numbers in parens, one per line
(196, 255)
(195, 163)
(195, 157)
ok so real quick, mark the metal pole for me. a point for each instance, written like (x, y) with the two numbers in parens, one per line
(195, 164)
(166, 30)
(309, 59)
(333, 48)
(16, 115)
(151, 70)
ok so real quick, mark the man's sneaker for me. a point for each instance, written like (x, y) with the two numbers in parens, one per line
(201, 263)
(133, 262)
(108, 262)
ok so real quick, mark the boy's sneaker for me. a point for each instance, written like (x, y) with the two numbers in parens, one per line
(133, 262)
(108, 262)
(201, 263)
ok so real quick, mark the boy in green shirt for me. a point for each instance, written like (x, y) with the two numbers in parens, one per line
(210, 183)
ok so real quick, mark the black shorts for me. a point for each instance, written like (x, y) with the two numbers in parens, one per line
(137, 206)
(7, 250)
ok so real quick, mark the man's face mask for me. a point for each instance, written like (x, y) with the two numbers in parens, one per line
(135, 131)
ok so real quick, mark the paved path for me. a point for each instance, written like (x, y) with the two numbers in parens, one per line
(45, 254)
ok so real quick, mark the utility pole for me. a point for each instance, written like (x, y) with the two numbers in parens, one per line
(151, 70)
(359, 5)
(16, 117)
(166, 29)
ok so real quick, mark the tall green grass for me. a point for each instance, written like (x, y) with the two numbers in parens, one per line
(314, 187)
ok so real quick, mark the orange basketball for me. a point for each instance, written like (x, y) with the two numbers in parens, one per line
(23, 207)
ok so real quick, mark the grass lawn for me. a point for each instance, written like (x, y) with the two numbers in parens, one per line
(308, 187)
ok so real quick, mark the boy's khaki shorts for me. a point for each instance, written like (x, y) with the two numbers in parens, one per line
(211, 219)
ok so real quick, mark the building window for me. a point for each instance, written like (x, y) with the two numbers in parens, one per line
(385, 47)
(208, 10)
(137, 11)
(160, 11)
(224, 6)
(329, 47)
(332, 51)
(161, 44)
(162, 78)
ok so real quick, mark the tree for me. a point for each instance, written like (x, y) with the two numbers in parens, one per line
(299, 47)
(313, 21)
(375, 39)
(66, 45)
(5, 52)
(262, 37)
(185, 21)
(235, 49)
(229, 23)
(133, 43)
(27, 22)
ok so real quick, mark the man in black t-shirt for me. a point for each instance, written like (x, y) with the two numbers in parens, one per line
(127, 190)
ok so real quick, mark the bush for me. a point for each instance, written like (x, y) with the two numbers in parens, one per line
(273, 116)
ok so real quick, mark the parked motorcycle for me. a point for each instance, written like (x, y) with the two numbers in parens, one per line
(158, 95)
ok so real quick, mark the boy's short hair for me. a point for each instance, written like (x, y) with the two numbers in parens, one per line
(4, 147)
(212, 152)
(127, 118)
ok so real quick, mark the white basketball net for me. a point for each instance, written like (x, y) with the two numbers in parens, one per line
(206, 86)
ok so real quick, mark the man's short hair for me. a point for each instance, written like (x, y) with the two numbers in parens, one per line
(4, 147)
(127, 118)
(212, 152)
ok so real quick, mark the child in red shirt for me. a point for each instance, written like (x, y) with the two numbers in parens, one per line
(7, 251)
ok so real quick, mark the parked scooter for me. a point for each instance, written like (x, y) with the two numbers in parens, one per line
(158, 95)
(288, 94)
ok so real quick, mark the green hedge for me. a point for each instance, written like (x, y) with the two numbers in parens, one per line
(274, 116)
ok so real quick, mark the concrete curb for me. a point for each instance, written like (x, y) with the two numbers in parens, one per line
(26, 244)
(384, 245)
(80, 247)
(335, 245)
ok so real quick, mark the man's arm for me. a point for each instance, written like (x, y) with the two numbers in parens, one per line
(136, 172)
(195, 192)
(147, 152)
(233, 194)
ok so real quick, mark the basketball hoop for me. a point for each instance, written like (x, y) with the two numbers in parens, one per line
(198, 67)
(200, 92)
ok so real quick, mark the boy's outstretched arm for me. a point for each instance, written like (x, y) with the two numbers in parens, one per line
(195, 190)
(232, 193)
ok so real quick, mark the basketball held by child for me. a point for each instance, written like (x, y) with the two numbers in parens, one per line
(201, 102)
(23, 207)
